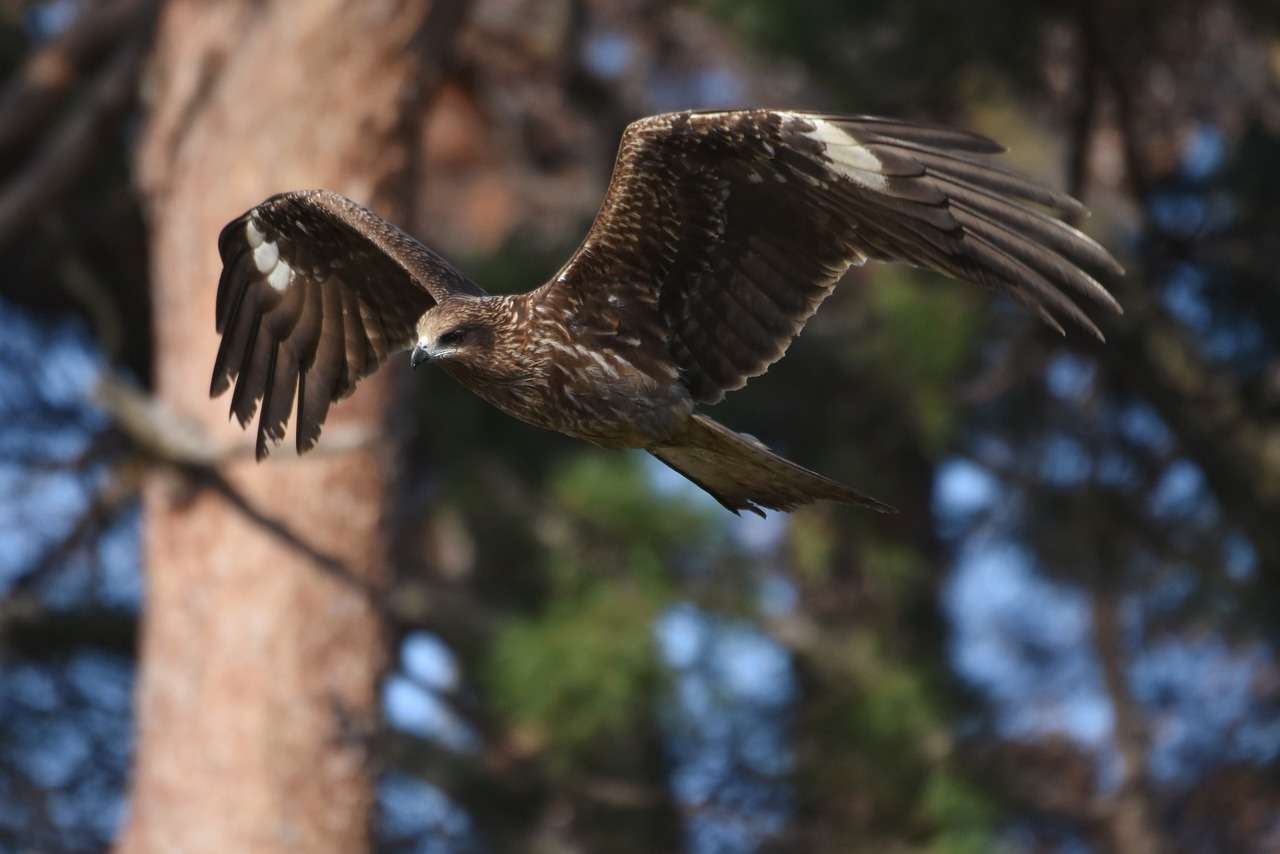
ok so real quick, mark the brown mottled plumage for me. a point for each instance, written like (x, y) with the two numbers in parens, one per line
(719, 236)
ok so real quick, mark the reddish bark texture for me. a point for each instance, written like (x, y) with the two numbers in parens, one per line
(249, 648)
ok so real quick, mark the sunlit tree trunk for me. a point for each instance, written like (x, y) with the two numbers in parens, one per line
(252, 653)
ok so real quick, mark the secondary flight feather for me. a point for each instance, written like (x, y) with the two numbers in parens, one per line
(719, 236)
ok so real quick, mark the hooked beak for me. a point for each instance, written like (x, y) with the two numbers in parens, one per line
(421, 353)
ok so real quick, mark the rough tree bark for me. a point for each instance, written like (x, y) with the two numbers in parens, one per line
(249, 649)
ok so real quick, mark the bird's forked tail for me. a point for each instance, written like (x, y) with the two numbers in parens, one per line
(742, 474)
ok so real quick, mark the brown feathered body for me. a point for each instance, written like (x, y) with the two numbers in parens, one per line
(532, 362)
(719, 236)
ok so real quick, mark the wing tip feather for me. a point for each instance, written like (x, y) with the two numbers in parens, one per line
(218, 384)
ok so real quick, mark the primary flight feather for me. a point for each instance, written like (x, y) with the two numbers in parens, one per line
(719, 236)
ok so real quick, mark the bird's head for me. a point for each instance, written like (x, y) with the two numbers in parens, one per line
(458, 332)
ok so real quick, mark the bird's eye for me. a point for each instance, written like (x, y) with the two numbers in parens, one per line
(453, 336)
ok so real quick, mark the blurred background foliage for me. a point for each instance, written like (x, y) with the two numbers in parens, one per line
(1067, 639)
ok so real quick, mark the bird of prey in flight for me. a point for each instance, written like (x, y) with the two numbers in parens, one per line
(720, 234)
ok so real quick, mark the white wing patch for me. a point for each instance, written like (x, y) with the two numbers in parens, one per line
(253, 233)
(266, 256)
(280, 276)
(848, 156)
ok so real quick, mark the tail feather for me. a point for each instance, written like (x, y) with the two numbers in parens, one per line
(742, 474)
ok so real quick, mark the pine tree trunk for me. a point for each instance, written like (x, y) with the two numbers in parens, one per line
(252, 652)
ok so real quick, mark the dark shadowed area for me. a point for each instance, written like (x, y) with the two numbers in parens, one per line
(444, 631)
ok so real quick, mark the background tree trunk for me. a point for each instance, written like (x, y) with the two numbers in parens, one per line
(250, 650)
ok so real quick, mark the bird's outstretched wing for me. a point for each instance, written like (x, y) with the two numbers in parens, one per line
(722, 232)
(316, 292)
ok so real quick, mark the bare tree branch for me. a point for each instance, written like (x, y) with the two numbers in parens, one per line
(31, 630)
(1127, 814)
(105, 506)
(34, 93)
(72, 144)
